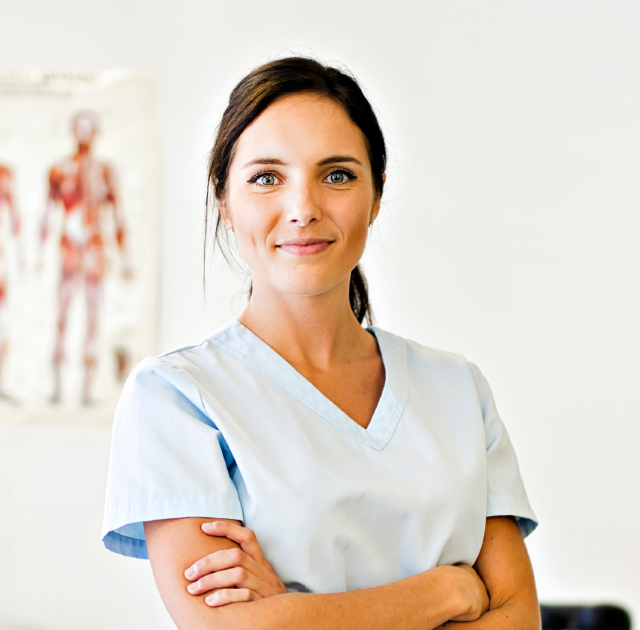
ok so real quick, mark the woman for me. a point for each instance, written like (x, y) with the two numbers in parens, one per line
(356, 479)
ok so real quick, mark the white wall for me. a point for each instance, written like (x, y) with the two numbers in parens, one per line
(510, 227)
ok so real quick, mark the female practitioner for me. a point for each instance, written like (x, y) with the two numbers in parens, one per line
(296, 469)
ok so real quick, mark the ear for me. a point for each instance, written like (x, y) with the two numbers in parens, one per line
(376, 206)
(225, 216)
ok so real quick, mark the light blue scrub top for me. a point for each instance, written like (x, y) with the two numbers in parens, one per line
(228, 429)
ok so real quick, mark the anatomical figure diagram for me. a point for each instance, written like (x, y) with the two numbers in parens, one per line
(7, 206)
(85, 189)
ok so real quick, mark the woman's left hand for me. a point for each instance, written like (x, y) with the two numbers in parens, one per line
(235, 575)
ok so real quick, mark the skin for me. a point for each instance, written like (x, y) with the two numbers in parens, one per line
(285, 186)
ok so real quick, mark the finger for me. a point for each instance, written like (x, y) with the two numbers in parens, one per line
(244, 536)
(237, 577)
(231, 530)
(230, 596)
(220, 560)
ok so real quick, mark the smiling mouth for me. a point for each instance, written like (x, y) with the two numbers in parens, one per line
(305, 246)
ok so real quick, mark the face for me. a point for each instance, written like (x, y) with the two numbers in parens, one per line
(300, 195)
(84, 129)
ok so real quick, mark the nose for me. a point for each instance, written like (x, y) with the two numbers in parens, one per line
(303, 204)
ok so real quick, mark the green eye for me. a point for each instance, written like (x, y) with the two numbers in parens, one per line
(338, 177)
(266, 180)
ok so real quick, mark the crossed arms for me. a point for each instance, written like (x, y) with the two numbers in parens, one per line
(497, 594)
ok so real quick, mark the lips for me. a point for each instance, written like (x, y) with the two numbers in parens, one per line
(305, 246)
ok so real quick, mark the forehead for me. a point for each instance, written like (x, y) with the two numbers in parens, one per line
(304, 127)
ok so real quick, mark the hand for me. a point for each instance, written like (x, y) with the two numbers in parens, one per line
(474, 591)
(234, 575)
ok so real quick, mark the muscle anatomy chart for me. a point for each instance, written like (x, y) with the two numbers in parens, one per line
(84, 188)
(83, 173)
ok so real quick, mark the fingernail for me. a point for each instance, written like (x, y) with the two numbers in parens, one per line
(193, 587)
(190, 572)
(212, 599)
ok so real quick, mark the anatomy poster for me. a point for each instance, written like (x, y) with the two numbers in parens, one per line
(79, 224)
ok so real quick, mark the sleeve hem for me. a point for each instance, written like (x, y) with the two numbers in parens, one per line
(123, 531)
(524, 515)
(126, 546)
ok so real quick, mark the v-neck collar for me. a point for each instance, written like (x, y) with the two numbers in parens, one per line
(240, 342)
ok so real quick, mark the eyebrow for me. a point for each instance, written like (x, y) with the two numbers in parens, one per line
(330, 160)
(338, 158)
(265, 161)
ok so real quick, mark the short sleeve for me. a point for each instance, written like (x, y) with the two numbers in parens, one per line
(506, 494)
(168, 459)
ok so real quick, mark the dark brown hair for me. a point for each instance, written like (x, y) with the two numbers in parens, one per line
(259, 89)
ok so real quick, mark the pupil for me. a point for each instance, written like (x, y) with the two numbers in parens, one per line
(337, 177)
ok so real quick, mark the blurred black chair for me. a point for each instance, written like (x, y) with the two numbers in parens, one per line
(585, 618)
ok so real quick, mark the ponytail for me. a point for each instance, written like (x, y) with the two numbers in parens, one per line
(359, 296)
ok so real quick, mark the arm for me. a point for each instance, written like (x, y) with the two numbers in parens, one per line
(53, 198)
(421, 602)
(504, 566)
(6, 193)
(114, 200)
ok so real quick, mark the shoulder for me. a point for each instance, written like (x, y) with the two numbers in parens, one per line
(180, 368)
(204, 353)
(164, 390)
(62, 169)
(56, 173)
(439, 367)
(421, 354)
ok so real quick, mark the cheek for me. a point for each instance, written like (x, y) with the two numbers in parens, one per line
(253, 219)
(352, 218)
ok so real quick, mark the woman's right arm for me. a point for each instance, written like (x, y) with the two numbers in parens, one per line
(422, 602)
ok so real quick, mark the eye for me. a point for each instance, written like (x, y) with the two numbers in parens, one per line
(265, 179)
(339, 177)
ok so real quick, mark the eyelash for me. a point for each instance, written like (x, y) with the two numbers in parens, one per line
(347, 172)
(259, 175)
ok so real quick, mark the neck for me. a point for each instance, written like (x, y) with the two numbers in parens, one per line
(318, 330)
